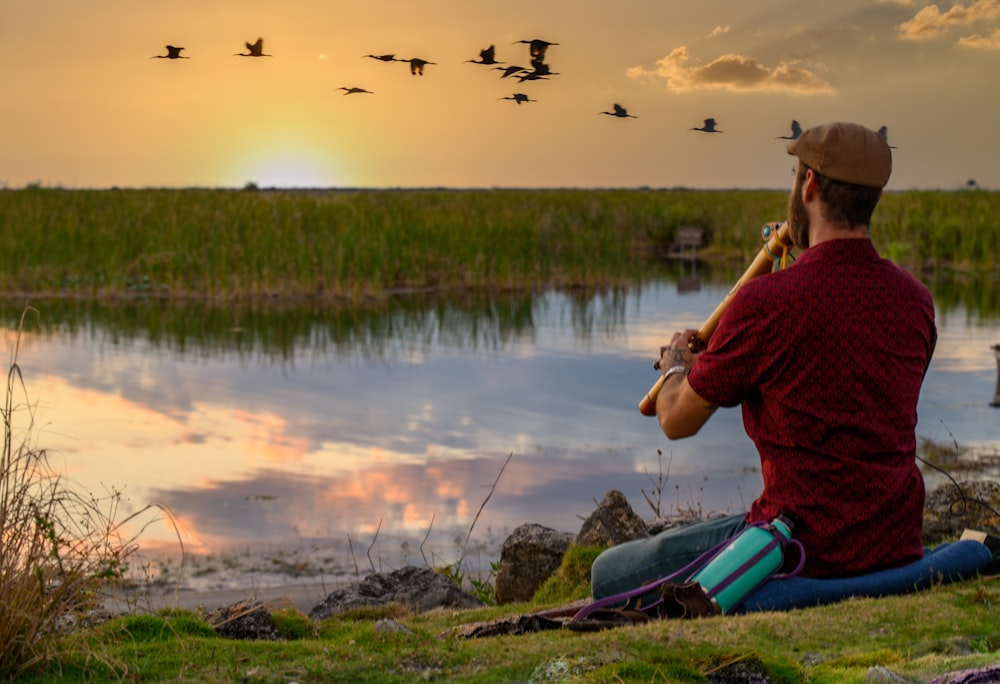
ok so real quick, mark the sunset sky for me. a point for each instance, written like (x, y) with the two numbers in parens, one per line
(85, 104)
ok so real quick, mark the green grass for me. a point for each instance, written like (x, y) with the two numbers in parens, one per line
(943, 629)
(358, 245)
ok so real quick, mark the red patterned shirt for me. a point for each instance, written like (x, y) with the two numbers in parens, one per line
(827, 358)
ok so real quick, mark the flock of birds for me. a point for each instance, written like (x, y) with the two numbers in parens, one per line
(539, 70)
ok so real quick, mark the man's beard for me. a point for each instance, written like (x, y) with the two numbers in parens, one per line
(798, 217)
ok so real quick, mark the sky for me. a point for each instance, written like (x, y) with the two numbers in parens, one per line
(86, 104)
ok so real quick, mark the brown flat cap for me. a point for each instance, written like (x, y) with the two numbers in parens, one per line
(846, 152)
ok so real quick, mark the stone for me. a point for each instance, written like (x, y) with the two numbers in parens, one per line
(611, 523)
(949, 510)
(419, 589)
(244, 620)
(529, 556)
(387, 626)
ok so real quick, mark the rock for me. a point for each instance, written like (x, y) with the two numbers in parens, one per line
(244, 620)
(419, 589)
(386, 626)
(529, 556)
(680, 519)
(883, 675)
(611, 523)
(745, 671)
(949, 510)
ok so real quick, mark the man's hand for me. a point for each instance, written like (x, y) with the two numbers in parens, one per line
(680, 410)
(677, 352)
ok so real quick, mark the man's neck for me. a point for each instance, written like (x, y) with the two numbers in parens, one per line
(823, 231)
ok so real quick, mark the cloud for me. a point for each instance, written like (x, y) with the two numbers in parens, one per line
(978, 40)
(733, 72)
(718, 31)
(930, 22)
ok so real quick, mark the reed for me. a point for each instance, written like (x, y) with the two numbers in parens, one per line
(60, 548)
(353, 245)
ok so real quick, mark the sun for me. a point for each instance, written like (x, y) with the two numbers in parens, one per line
(291, 169)
(289, 163)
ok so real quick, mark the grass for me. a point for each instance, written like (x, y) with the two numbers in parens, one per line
(60, 549)
(361, 245)
(943, 629)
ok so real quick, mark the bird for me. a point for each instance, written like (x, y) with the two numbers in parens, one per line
(620, 112)
(536, 47)
(709, 127)
(532, 76)
(354, 89)
(518, 98)
(383, 58)
(172, 53)
(416, 65)
(486, 56)
(884, 132)
(796, 132)
(254, 50)
(509, 71)
(539, 70)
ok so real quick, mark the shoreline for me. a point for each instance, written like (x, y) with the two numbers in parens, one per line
(281, 576)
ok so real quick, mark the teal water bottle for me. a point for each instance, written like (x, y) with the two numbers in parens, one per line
(738, 569)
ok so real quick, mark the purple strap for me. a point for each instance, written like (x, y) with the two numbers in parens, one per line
(646, 588)
(695, 565)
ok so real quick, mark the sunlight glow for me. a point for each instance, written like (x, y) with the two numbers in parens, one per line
(287, 165)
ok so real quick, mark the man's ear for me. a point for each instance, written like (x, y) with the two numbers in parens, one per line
(809, 185)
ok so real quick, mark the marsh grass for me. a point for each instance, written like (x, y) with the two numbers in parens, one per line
(60, 549)
(362, 244)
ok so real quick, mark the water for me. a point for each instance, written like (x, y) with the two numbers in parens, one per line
(289, 427)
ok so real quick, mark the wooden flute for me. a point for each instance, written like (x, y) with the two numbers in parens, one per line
(776, 247)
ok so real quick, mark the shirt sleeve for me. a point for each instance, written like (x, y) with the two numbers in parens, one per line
(728, 371)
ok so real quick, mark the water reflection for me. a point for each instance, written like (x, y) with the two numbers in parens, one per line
(290, 425)
(996, 394)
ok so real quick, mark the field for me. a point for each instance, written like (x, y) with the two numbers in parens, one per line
(353, 246)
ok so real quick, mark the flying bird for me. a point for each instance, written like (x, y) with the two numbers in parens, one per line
(884, 132)
(353, 89)
(796, 132)
(486, 56)
(509, 71)
(539, 70)
(416, 65)
(620, 112)
(384, 58)
(518, 98)
(536, 47)
(709, 127)
(172, 53)
(532, 76)
(254, 50)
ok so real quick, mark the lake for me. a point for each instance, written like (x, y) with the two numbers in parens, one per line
(385, 429)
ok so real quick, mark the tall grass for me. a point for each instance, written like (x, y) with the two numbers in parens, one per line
(60, 549)
(225, 244)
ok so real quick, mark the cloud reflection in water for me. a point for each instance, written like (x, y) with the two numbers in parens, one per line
(298, 426)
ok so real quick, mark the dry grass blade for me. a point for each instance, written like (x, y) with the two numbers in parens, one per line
(61, 549)
(468, 536)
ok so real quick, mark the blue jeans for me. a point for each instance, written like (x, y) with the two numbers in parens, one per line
(630, 565)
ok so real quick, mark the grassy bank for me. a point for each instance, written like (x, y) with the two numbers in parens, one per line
(222, 244)
(920, 636)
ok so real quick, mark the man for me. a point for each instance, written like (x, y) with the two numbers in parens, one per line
(827, 358)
